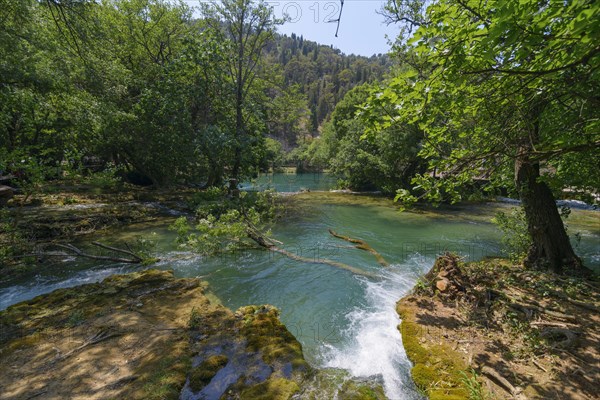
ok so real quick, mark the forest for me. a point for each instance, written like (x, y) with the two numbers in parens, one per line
(138, 85)
(143, 133)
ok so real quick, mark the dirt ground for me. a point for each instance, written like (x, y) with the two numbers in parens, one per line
(100, 341)
(494, 330)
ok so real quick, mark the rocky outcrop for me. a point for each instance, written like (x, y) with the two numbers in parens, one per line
(145, 335)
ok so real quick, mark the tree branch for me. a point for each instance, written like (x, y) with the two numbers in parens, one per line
(582, 60)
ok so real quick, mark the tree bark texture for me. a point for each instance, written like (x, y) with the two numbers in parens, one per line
(551, 246)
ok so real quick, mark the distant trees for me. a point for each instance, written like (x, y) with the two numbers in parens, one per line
(165, 97)
(385, 162)
(322, 74)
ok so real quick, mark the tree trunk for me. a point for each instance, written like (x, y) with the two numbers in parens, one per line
(239, 97)
(550, 247)
(215, 175)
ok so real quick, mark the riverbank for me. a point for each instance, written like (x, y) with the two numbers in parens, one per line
(148, 335)
(494, 330)
(64, 213)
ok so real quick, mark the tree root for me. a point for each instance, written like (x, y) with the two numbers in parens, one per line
(570, 337)
(528, 310)
(587, 306)
(565, 325)
(362, 245)
(500, 380)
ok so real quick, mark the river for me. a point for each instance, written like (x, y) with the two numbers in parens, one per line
(341, 319)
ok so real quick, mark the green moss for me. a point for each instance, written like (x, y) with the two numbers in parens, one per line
(203, 373)
(265, 333)
(167, 379)
(271, 389)
(410, 338)
(352, 390)
(162, 372)
(448, 394)
(423, 376)
(437, 367)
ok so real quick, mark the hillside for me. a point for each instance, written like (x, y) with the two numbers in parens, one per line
(320, 76)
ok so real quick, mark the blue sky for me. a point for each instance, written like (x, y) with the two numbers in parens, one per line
(362, 30)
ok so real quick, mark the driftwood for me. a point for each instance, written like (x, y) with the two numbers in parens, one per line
(362, 245)
(92, 340)
(78, 253)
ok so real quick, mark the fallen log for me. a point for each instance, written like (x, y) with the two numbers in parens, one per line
(271, 244)
(325, 261)
(362, 245)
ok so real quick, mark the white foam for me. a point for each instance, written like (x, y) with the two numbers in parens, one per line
(40, 285)
(374, 346)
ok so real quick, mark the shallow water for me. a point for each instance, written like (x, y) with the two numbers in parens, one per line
(292, 182)
(343, 320)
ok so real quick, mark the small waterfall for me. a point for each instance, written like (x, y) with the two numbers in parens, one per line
(373, 346)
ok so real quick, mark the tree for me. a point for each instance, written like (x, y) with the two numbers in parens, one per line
(287, 114)
(386, 161)
(247, 27)
(498, 83)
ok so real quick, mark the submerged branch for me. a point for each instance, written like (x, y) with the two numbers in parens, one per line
(116, 249)
(78, 253)
(362, 245)
(268, 244)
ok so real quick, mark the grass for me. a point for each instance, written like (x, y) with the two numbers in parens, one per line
(473, 385)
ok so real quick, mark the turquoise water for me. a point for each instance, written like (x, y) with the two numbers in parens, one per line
(343, 320)
(292, 182)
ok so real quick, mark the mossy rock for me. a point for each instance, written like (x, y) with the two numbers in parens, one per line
(271, 389)
(203, 373)
(352, 390)
(31, 330)
(437, 367)
(266, 334)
